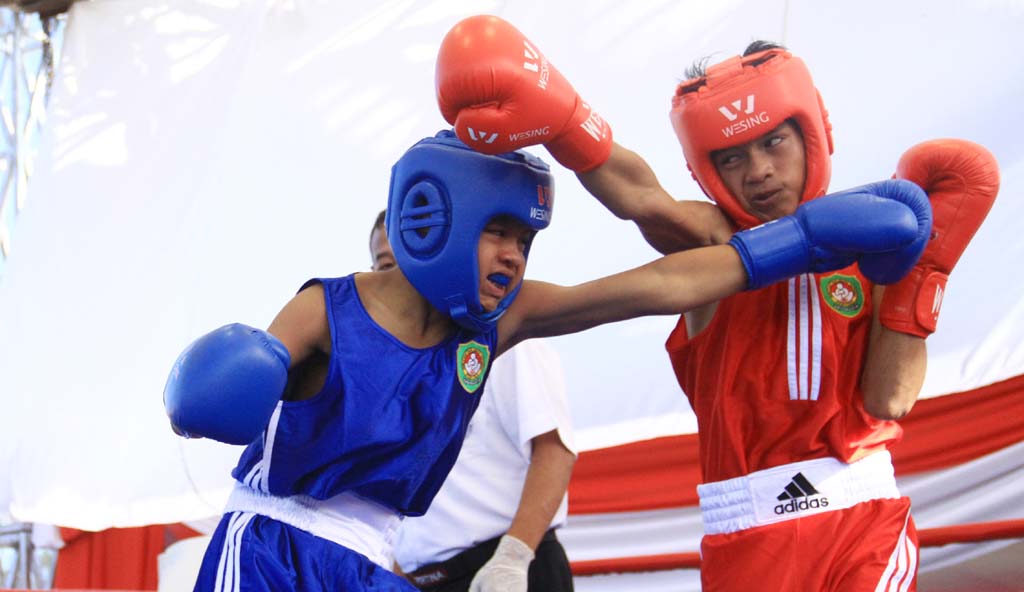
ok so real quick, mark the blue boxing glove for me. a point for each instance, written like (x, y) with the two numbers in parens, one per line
(834, 231)
(889, 267)
(226, 385)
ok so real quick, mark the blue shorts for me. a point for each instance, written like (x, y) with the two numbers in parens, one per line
(253, 553)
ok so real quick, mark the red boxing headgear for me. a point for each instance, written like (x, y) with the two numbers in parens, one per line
(741, 99)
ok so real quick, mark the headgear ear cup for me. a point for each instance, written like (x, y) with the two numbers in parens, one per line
(425, 219)
(442, 196)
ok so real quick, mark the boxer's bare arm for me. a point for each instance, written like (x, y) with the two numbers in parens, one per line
(302, 325)
(894, 369)
(626, 185)
(669, 285)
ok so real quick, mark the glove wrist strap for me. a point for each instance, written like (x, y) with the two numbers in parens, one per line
(586, 143)
(912, 305)
(772, 252)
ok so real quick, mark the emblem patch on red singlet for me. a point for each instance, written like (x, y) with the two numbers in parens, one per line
(843, 294)
(472, 360)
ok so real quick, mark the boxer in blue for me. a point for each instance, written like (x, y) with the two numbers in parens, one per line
(354, 403)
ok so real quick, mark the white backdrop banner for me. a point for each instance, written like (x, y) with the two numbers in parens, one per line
(201, 159)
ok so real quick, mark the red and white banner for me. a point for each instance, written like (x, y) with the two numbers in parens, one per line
(634, 507)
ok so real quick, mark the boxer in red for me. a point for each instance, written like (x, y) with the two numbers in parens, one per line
(796, 385)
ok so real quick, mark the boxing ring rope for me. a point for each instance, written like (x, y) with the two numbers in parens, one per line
(928, 537)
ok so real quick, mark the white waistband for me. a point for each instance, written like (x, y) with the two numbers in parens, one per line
(346, 519)
(793, 491)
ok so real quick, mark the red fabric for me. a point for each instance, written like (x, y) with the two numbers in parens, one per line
(757, 399)
(116, 558)
(929, 537)
(664, 472)
(972, 533)
(647, 475)
(633, 564)
(864, 547)
(951, 430)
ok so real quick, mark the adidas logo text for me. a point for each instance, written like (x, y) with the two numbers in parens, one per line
(800, 505)
(799, 495)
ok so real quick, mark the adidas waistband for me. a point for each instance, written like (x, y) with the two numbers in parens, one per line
(794, 491)
(346, 519)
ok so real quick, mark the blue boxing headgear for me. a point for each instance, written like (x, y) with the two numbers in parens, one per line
(443, 194)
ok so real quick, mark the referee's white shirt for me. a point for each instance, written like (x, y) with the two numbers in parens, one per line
(524, 397)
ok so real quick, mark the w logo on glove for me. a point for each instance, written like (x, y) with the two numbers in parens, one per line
(482, 136)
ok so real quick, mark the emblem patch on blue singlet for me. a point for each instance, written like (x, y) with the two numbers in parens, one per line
(472, 359)
(843, 294)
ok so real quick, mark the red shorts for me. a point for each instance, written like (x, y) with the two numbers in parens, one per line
(869, 546)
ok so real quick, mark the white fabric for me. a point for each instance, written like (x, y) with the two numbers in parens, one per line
(755, 499)
(632, 534)
(803, 339)
(178, 566)
(524, 397)
(984, 490)
(347, 519)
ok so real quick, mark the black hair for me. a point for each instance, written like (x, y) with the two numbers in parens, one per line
(699, 68)
(759, 45)
(378, 224)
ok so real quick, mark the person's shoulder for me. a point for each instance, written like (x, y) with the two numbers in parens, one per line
(327, 281)
(336, 286)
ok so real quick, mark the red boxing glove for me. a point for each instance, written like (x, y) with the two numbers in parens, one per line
(962, 180)
(501, 94)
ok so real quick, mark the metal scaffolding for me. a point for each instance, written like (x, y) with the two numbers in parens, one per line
(30, 41)
(30, 45)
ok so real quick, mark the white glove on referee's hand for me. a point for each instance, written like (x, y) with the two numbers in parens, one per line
(506, 570)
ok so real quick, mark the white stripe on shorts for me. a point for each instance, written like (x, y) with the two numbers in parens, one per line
(899, 574)
(228, 577)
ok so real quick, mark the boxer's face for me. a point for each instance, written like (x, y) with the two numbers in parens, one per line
(766, 175)
(502, 258)
(380, 251)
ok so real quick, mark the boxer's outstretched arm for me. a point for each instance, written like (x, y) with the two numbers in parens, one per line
(626, 185)
(824, 234)
(498, 100)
